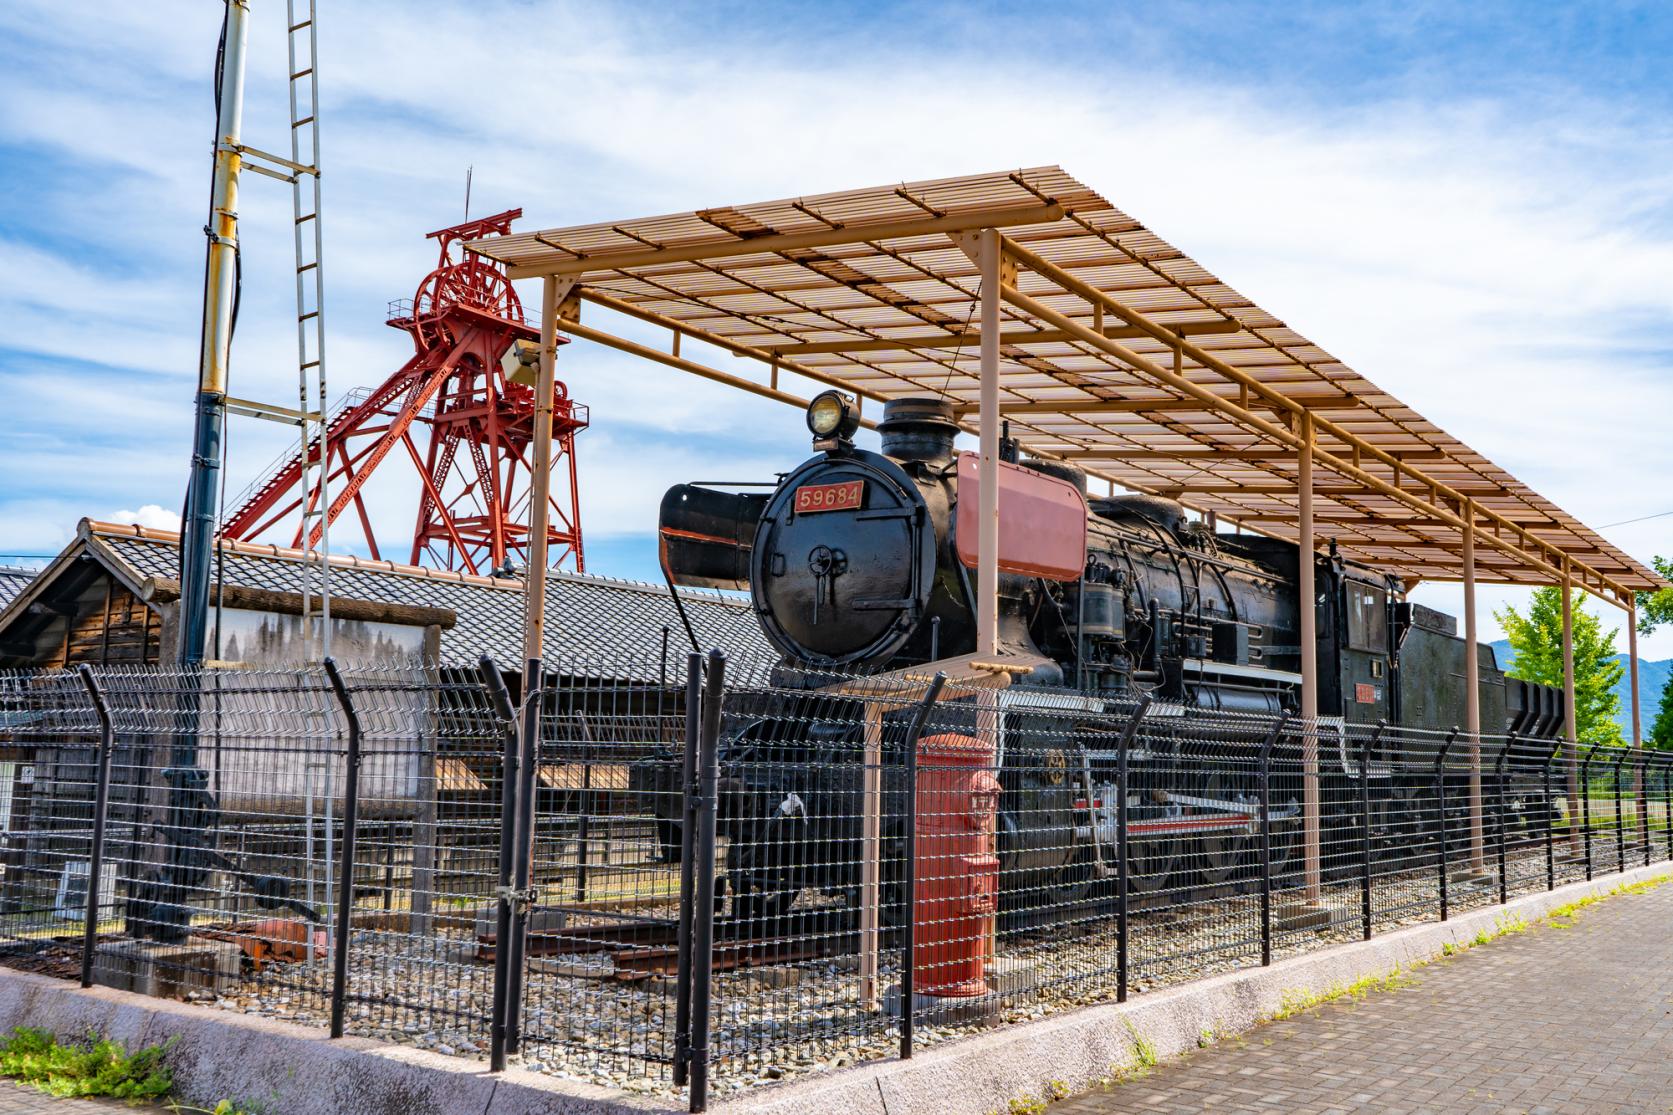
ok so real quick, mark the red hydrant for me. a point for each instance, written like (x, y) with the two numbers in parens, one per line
(957, 887)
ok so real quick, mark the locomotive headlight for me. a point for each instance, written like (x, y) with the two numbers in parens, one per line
(832, 415)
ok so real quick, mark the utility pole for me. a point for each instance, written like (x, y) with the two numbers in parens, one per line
(219, 295)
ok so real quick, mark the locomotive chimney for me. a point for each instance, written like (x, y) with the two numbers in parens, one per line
(918, 430)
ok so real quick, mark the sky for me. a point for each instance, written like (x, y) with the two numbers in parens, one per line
(1472, 205)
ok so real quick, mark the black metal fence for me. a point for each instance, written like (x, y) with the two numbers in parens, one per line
(731, 876)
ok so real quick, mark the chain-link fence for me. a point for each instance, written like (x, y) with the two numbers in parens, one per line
(736, 875)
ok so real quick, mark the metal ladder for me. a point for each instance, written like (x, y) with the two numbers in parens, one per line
(302, 171)
(301, 41)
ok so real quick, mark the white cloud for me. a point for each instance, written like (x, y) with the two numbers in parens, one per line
(1505, 266)
(157, 518)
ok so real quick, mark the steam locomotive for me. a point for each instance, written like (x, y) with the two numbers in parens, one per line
(860, 561)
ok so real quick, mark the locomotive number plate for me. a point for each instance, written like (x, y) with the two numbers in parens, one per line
(830, 497)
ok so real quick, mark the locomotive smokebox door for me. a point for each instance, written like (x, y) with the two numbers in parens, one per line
(843, 564)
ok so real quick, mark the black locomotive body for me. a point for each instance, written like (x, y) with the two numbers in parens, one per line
(853, 566)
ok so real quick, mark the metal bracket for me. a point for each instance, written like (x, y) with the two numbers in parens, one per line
(521, 898)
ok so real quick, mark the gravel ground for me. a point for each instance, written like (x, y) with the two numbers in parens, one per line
(795, 1019)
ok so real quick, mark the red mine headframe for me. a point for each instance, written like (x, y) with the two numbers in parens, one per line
(466, 387)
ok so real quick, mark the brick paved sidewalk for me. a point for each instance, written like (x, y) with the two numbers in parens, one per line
(1549, 1021)
(15, 1100)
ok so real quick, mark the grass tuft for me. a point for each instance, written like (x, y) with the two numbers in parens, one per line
(99, 1068)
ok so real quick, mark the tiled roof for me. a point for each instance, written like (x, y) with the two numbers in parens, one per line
(591, 620)
(13, 581)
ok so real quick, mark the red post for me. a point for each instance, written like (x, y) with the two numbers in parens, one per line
(957, 886)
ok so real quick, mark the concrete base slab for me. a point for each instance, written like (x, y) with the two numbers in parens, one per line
(1306, 915)
(933, 1010)
(167, 971)
(1007, 976)
(1482, 879)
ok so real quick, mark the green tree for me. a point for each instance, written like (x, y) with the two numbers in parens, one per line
(1661, 732)
(1656, 608)
(1537, 639)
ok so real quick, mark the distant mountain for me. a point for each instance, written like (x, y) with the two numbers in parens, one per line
(1652, 678)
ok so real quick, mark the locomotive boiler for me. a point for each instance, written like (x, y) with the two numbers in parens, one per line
(859, 561)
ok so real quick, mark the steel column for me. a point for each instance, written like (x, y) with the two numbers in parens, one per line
(1586, 804)
(1571, 727)
(1123, 850)
(1550, 814)
(1440, 814)
(489, 673)
(1307, 593)
(1499, 785)
(689, 791)
(1637, 730)
(1620, 821)
(703, 915)
(540, 478)
(987, 537)
(345, 876)
(522, 853)
(101, 805)
(1472, 692)
(1365, 828)
(220, 297)
(1265, 783)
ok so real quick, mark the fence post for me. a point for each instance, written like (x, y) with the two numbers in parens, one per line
(1266, 836)
(101, 803)
(1667, 801)
(1499, 781)
(345, 876)
(1440, 812)
(1123, 849)
(703, 919)
(1371, 742)
(1586, 803)
(688, 867)
(1550, 839)
(489, 673)
(1620, 820)
(1642, 781)
(909, 947)
(522, 852)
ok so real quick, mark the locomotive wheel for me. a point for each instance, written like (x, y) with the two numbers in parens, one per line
(1073, 881)
(1223, 854)
(1286, 847)
(1152, 863)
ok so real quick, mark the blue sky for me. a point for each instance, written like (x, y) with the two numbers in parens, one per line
(1470, 204)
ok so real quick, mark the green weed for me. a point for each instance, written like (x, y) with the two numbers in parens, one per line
(101, 1068)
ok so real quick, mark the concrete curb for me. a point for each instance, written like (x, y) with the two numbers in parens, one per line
(296, 1070)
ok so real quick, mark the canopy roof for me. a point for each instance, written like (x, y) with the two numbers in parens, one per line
(1119, 353)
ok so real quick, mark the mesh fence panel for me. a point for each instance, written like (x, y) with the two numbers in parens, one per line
(880, 861)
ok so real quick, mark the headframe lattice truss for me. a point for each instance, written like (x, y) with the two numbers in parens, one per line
(1119, 353)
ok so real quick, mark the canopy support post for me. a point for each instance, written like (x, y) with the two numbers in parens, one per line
(1637, 728)
(1472, 693)
(1308, 593)
(987, 538)
(1570, 728)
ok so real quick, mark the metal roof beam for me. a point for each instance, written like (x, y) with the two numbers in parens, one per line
(972, 339)
(774, 243)
(1074, 409)
(1545, 556)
